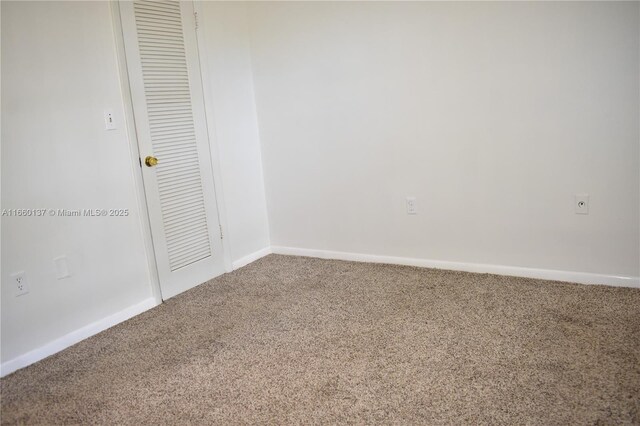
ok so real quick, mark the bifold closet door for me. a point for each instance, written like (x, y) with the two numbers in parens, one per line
(168, 104)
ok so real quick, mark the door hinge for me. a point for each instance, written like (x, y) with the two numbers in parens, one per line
(221, 236)
(195, 17)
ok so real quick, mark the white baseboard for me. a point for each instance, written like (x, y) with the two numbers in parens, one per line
(101, 325)
(251, 258)
(545, 274)
(75, 337)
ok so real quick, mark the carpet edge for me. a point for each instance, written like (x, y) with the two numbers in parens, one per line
(517, 271)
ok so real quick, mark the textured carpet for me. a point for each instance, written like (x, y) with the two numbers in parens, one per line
(290, 340)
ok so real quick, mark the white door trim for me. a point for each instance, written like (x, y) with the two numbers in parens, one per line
(213, 140)
(129, 121)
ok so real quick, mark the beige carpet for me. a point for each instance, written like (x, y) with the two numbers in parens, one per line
(290, 340)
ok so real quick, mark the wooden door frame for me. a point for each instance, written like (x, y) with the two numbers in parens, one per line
(129, 125)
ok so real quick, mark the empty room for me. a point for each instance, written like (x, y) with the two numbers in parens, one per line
(333, 212)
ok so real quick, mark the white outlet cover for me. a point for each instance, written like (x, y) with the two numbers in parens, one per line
(412, 205)
(19, 280)
(582, 203)
(62, 267)
(109, 120)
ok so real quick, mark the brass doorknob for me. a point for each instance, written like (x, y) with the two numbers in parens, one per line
(150, 161)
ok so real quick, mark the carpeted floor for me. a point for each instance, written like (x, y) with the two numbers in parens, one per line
(291, 340)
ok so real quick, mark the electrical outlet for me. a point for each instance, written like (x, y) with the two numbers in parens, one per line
(582, 203)
(20, 283)
(109, 122)
(412, 205)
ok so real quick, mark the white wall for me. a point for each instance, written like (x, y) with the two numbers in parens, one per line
(59, 72)
(493, 114)
(225, 43)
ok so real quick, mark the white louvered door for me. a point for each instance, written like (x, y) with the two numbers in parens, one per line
(168, 105)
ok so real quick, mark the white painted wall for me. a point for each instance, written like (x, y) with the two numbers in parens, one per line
(59, 72)
(224, 39)
(492, 114)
